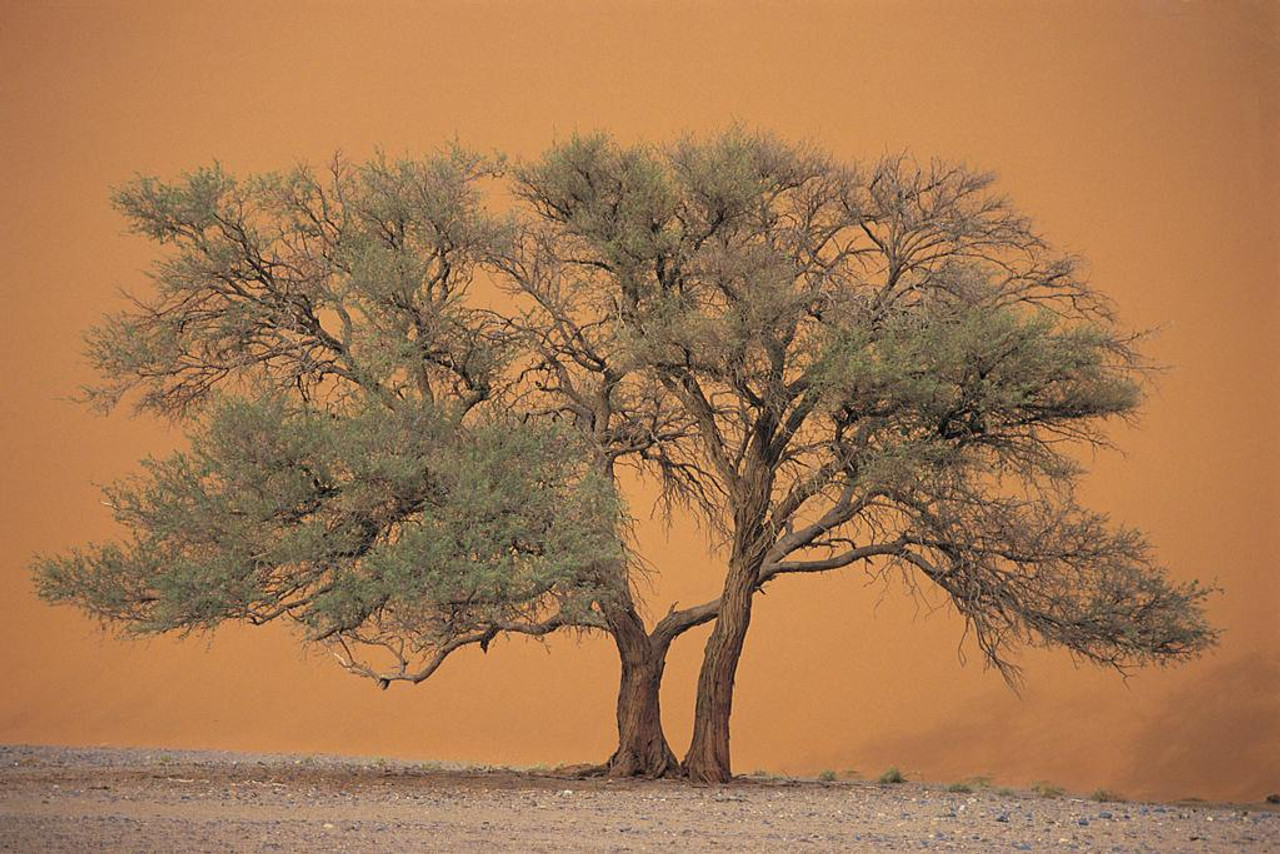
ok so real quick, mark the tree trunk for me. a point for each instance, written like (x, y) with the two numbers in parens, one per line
(708, 757)
(642, 747)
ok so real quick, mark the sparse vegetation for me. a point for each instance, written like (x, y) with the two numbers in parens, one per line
(1005, 792)
(1106, 796)
(980, 781)
(892, 776)
(130, 788)
(960, 788)
(1047, 790)
(762, 774)
(827, 776)
(851, 773)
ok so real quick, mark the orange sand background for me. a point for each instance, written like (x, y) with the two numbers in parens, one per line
(1141, 134)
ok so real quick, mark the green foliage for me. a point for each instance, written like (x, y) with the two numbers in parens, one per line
(349, 465)
(1106, 796)
(960, 788)
(381, 521)
(891, 777)
(952, 374)
(618, 199)
(827, 776)
(894, 350)
(810, 354)
(355, 277)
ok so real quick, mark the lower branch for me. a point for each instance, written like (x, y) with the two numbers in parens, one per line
(402, 673)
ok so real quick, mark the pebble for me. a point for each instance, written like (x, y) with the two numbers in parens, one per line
(850, 817)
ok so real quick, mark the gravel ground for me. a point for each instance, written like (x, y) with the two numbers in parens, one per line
(55, 799)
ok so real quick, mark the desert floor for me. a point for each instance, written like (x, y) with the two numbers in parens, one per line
(104, 799)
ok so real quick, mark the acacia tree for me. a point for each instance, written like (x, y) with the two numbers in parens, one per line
(356, 463)
(886, 366)
(829, 365)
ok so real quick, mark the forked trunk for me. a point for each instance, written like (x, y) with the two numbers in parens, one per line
(642, 747)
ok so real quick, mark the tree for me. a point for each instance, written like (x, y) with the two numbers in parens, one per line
(886, 367)
(831, 366)
(358, 462)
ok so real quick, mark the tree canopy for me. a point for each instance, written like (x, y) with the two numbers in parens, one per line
(875, 363)
(391, 531)
(830, 364)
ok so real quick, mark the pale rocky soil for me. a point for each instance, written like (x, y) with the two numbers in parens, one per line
(69, 799)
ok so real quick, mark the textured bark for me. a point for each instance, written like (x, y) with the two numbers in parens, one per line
(642, 747)
(708, 758)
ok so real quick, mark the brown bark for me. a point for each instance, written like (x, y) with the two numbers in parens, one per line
(642, 746)
(708, 758)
